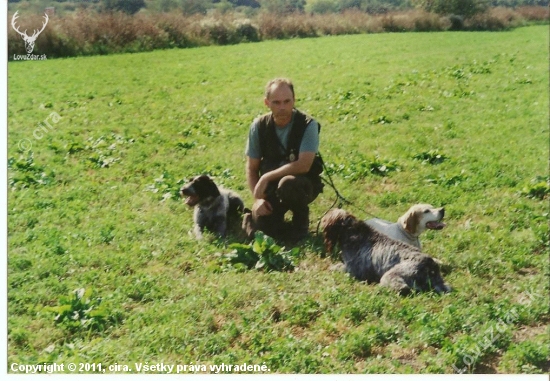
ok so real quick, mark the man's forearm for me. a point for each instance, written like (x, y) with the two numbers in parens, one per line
(298, 167)
(252, 179)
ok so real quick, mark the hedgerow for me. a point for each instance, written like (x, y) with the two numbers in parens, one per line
(84, 33)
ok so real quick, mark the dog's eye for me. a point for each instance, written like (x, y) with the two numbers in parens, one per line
(426, 211)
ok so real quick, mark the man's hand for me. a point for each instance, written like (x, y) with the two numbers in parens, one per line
(261, 208)
(258, 185)
(261, 187)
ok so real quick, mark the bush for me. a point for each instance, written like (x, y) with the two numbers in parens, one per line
(270, 26)
(457, 22)
(429, 22)
(247, 31)
(299, 25)
(534, 13)
(493, 20)
(217, 31)
(179, 30)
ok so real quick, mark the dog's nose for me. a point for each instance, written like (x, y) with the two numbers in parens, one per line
(442, 211)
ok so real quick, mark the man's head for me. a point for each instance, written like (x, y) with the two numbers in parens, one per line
(279, 97)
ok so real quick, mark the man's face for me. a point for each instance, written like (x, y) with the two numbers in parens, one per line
(281, 103)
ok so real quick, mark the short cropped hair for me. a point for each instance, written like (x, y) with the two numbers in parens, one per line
(275, 83)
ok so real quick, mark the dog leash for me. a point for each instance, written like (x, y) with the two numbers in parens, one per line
(340, 200)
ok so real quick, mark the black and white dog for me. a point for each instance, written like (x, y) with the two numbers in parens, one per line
(374, 257)
(213, 205)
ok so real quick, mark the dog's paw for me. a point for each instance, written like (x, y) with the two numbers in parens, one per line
(340, 267)
(395, 282)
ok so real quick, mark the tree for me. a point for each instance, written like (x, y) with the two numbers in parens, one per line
(245, 3)
(369, 6)
(457, 7)
(167, 5)
(190, 7)
(126, 6)
(283, 6)
(322, 6)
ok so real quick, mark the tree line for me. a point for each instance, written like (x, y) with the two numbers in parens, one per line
(97, 31)
(252, 7)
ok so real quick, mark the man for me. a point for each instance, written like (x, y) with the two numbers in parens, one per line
(282, 167)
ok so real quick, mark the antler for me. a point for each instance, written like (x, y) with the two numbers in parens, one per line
(15, 27)
(43, 26)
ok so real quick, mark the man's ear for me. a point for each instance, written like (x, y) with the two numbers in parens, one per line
(266, 102)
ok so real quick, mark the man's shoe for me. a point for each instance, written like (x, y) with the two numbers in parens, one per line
(248, 225)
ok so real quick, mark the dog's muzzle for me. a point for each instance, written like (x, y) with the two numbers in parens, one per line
(190, 197)
(437, 225)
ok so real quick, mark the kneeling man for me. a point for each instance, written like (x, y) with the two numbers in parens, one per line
(282, 167)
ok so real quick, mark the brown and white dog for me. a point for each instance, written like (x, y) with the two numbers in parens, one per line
(213, 205)
(374, 257)
(410, 225)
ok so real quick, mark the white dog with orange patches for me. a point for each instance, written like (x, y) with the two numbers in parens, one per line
(409, 226)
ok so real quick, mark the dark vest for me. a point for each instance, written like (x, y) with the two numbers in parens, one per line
(273, 152)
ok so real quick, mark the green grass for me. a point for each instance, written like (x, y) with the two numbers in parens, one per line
(453, 119)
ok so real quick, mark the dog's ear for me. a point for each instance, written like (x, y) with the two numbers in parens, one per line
(331, 233)
(203, 179)
(410, 221)
(208, 185)
(334, 223)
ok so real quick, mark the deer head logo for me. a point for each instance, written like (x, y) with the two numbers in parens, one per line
(29, 40)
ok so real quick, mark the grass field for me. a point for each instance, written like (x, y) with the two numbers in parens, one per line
(99, 146)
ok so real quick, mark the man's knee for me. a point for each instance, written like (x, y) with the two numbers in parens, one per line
(295, 191)
(287, 185)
